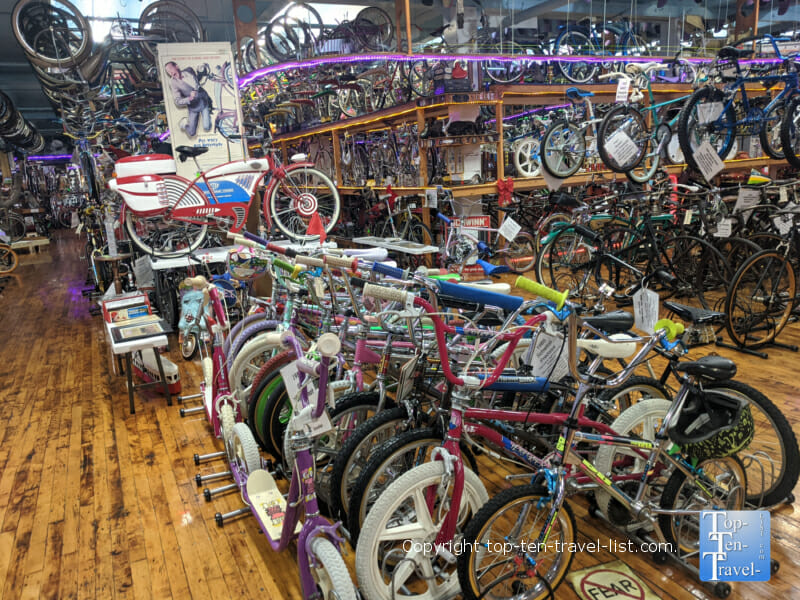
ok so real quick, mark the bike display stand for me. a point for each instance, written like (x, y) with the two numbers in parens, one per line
(755, 351)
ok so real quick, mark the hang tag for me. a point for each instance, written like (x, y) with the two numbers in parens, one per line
(621, 147)
(687, 218)
(313, 427)
(509, 229)
(319, 287)
(549, 354)
(784, 196)
(708, 112)
(747, 198)
(708, 161)
(623, 85)
(645, 310)
(75, 221)
(79, 229)
(553, 183)
(783, 223)
(724, 228)
(291, 379)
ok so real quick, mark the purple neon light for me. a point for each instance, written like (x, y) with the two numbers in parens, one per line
(51, 157)
(311, 62)
(163, 136)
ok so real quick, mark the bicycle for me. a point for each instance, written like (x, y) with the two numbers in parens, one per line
(156, 200)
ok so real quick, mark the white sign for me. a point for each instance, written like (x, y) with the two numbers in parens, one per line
(549, 356)
(687, 217)
(553, 183)
(645, 310)
(748, 198)
(708, 161)
(708, 112)
(201, 98)
(783, 223)
(623, 85)
(621, 147)
(509, 229)
(724, 228)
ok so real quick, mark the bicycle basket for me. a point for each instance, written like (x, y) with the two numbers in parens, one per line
(712, 424)
(245, 265)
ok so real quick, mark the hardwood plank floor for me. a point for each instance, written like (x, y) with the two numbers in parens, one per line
(98, 503)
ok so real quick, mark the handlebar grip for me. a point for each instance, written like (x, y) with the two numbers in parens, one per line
(483, 246)
(341, 261)
(443, 218)
(357, 282)
(309, 261)
(241, 240)
(673, 329)
(385, 293)
(545, 292)
(284, 266)
(253, 237)
(388, 271)
(328, 345)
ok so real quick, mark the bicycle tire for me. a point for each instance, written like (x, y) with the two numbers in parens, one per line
(65, 52)
(277, 362)
(688, 126)
(247, 364)
(374, 29)
(575, 43)
(177, 239)
(411, 485)
(634, 44)
(8, 259)
(701, 270)
(525, 154)
(519, 255)
(290, 213)
(256, 409)
(174, 20)
(244, 449)
(630, 121)
(476, 535)
(329, 570)
(167, 299)
(728, 482)
(790, 133)
(13, 226)
(245, 335)
(505, 71)
(770, 133)
(757, 282)
(563, 149)
(567, 262)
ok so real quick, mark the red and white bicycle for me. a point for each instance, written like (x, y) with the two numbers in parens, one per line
(168, 215)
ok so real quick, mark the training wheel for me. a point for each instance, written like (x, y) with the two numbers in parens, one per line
(218, 518)
(198, 479)
(722, 590)
(207, 494)
(660, 557)
(774, 566)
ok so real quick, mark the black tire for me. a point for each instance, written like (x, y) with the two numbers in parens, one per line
(256, 409)
(400, 455)
(477, 532)
(563, 149)
(701, 270)
(166, 299)
(578, 44)
(628, 120)
(770, 134)
(691, 134)
(610, 403)
(727, 483)
(568, 262)
(520, 254)
(760, 299)
(790, 133)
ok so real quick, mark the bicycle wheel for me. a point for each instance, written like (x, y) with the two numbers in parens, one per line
(374, 29)
(8, 259)
(513, 520)
(12, 225)
(420, 77)
(257, 408)
(301, 193)
(164, 239)
(574, 43)
(244, 448)
(408, 515)
(623, 120)
(634, 44)
(706, 118)
(568, 262)
(701, 270)
(760, 299)
(790, 132)
(168, 22)
(625, 465)
(53, 34)
(563, 149)
(330, 571)
(419, 233)
(770, 133)
(525, 153)
(504, 71)
(519, 255)
(166, 298)
(721, 485)
(248, 362)
(611, 403)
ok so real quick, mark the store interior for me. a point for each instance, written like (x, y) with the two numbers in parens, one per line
(420, 300)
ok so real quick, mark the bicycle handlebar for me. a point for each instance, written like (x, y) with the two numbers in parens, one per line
(542, 290)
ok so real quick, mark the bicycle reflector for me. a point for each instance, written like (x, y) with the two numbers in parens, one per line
(161, 190)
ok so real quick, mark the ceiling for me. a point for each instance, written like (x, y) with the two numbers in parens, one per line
(17, 80)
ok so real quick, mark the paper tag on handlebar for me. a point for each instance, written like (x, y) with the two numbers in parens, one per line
(319, 287)
(313, 427)
(406, 380)
(724, 228)
(784, 196)
(549, 354)
(623, 85)
(621, 147)
(747, 198)
(645, 310)
(708, 161)
(783, 223)
(509, 229)
(291, 379)
(687, 218)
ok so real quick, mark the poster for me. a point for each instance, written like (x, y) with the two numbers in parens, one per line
(201, 97)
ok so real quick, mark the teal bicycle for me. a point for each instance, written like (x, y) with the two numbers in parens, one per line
(633, 139)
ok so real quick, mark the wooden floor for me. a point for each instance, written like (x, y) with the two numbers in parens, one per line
(97, 503)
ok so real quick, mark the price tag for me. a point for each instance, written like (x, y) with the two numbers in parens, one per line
(79, 229)
(74, 220)
(431, 198)
(708, 161)
(406, 379)
(509, 229)
(783, 223)
(549, 354)
(784, 196)
(708, 112)
(748, 198)
(724, 228)
(319, 287)
(622, 147)
(313, 427)
(291, 379)
(553, 183)
(623, 85)
(645, 310)
(687, 218)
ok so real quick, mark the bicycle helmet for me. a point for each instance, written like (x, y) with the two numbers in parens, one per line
(712, 424)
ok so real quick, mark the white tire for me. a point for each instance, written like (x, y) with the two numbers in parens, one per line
(245, 448)
(331, 574)
(247, 363)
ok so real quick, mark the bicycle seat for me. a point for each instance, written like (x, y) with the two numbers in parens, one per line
(618, 321)
(694, 315)
(185, 152)
(709, 367)
(574, 93)
(734, 53)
